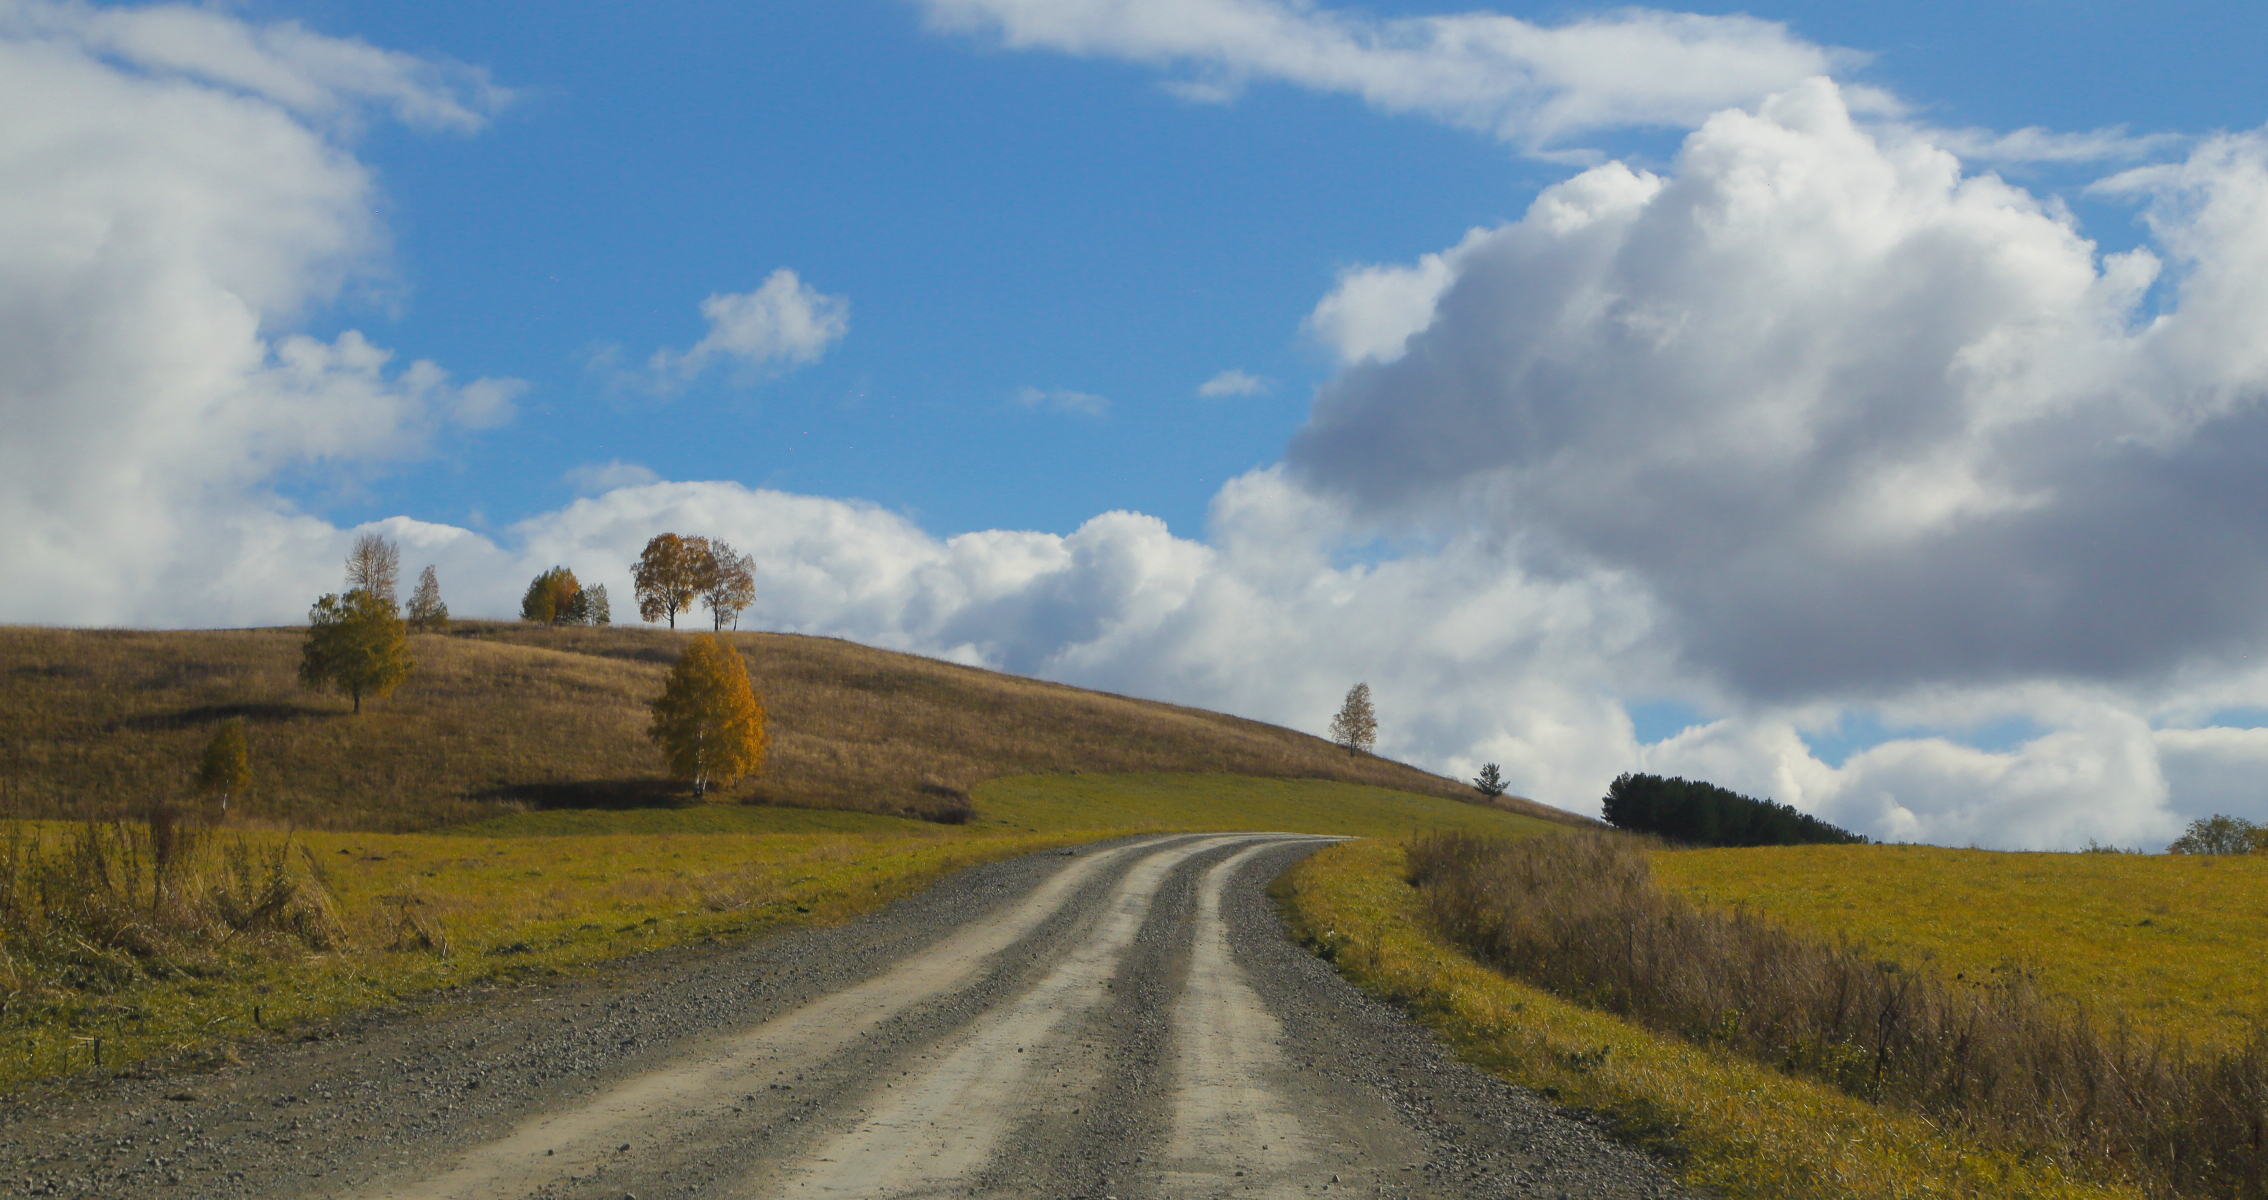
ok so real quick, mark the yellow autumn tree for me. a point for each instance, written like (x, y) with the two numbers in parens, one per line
(708, 721)
(226, 769)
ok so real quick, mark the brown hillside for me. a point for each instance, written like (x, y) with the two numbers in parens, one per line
(502, 717)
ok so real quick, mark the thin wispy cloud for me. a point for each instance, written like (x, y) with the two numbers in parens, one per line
(2034, 144)
(591, 479)
(1232, 382)
(332, 80)
(1535, 86)
(1063, 400)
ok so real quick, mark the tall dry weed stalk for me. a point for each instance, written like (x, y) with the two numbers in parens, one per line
(1581, 915)
(96, 906)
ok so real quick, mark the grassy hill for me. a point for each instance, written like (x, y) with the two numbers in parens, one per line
(502, 815)
(503, 718)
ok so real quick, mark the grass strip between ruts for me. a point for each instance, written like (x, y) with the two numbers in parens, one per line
(1733, 1126)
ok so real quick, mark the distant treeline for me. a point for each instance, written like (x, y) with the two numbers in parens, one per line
(1703, 814)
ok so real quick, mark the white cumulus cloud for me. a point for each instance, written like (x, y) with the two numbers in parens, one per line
(1858, 420)
(173, 194)
(784, 322)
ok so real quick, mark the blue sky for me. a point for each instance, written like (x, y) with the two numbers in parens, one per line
(1003, 220)
(1853, 404)
(999, 221)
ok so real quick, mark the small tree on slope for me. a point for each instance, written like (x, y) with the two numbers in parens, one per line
(729, 584)
(427, 613)
(226, 769)
(357, 644)
(1356, 726)
(707, 721)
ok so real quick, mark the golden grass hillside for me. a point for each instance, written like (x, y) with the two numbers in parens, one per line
(500, 718)
(2174, 944)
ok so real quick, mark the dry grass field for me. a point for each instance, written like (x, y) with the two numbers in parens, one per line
(2175, 944)
(501, 718)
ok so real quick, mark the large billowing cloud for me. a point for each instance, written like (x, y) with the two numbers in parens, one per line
(1857, 421)
(173, 195)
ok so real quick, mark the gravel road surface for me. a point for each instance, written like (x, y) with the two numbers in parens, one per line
(1124, 1020)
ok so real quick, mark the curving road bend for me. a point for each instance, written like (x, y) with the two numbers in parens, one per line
(1125, 1020)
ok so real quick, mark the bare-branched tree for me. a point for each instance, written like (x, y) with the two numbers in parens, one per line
(374, 565)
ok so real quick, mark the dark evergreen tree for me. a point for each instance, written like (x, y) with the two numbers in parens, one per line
(1703, 814)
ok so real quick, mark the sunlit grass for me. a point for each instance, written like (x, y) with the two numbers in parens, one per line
(2173, 943)
(1727, 1124)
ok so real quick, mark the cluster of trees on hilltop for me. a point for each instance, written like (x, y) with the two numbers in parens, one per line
(675, 571)
(556, 597)
(708, 722)
(1703, 814)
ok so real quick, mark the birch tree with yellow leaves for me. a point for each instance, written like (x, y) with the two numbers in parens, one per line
(708, 721)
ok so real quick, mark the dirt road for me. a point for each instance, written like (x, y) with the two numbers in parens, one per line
(1125, 1020)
